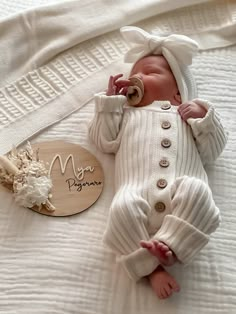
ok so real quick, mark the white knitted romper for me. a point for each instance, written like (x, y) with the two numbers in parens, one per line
(161, 185)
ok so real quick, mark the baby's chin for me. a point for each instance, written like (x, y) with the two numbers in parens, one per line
(145, 102)
(141, 105)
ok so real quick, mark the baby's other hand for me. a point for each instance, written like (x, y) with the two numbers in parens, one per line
(191, 109)
(116, 86)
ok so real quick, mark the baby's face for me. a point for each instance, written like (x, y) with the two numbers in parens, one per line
(158, 80)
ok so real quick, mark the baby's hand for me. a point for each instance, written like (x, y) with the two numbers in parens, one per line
(116, 86)
(191, 110)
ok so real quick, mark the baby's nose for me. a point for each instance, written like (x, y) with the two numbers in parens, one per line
(136, 91)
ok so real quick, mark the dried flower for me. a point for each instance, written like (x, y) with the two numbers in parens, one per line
(28, 178)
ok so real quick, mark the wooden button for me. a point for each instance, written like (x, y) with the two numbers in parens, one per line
(166, 143)
(165, 106)
(160, 207)
(165, 125)
(162, 183)
(164, 163)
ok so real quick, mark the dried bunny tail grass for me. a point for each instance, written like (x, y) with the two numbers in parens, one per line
(6, 179)
(8, 166)
(22, 158)
(48, 205)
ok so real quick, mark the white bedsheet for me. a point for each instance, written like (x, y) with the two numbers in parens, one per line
(59, 265)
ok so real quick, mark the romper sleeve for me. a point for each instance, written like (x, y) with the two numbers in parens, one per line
(208, 132)
(104, 129)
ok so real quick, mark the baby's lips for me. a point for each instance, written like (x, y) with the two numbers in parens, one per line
(135, 92)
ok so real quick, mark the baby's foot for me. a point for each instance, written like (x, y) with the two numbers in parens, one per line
(161, 251)
(163, 283)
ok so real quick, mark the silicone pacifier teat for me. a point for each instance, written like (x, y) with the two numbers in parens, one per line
(135, 92)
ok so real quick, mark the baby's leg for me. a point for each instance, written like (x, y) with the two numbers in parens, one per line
(193, 218)
(163, 283)
(159, 249)
(127, 222)
(127, 226)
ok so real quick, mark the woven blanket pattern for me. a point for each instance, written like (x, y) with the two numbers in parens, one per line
(36, 89)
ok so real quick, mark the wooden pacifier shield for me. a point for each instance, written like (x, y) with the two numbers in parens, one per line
(135, 92)
(76, 175)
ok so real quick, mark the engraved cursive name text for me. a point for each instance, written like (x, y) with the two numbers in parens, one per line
(72, 183)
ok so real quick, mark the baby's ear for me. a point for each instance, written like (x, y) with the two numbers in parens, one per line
(177, 97)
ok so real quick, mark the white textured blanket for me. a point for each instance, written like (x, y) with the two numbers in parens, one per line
(33, 88)
(51, 265)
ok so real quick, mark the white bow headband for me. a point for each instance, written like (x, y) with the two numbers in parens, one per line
(178, 50)
(181, 47)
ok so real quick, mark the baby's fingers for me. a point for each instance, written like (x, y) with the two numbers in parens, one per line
(123, 91)
(123, 83)
(183, 110)
(122, 86)
(185, 114)
(112, 88)
(116, 77)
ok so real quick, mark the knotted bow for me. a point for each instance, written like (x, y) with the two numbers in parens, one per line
(181, 47)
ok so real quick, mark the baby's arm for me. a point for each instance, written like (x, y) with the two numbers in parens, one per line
(105, 127)
(206, 127)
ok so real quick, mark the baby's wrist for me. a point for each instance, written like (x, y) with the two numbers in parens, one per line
(113, 103)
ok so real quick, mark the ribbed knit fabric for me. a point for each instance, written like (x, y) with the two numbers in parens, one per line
(135, 136)
(194, 216)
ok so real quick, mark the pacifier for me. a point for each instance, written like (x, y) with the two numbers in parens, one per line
(135, 92)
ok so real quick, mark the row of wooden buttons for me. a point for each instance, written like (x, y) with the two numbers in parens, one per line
(162, 183)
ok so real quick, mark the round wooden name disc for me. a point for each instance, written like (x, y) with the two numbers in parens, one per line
(76, 175)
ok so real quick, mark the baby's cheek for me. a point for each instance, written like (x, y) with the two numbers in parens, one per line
(148, 98)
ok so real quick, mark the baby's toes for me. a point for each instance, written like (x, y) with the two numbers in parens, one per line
(166, 292)
(159, 293)
(164, 247)
(146, 244)
(174, 286)
(159, 246)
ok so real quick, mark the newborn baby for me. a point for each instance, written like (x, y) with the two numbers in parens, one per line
(163, 210)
